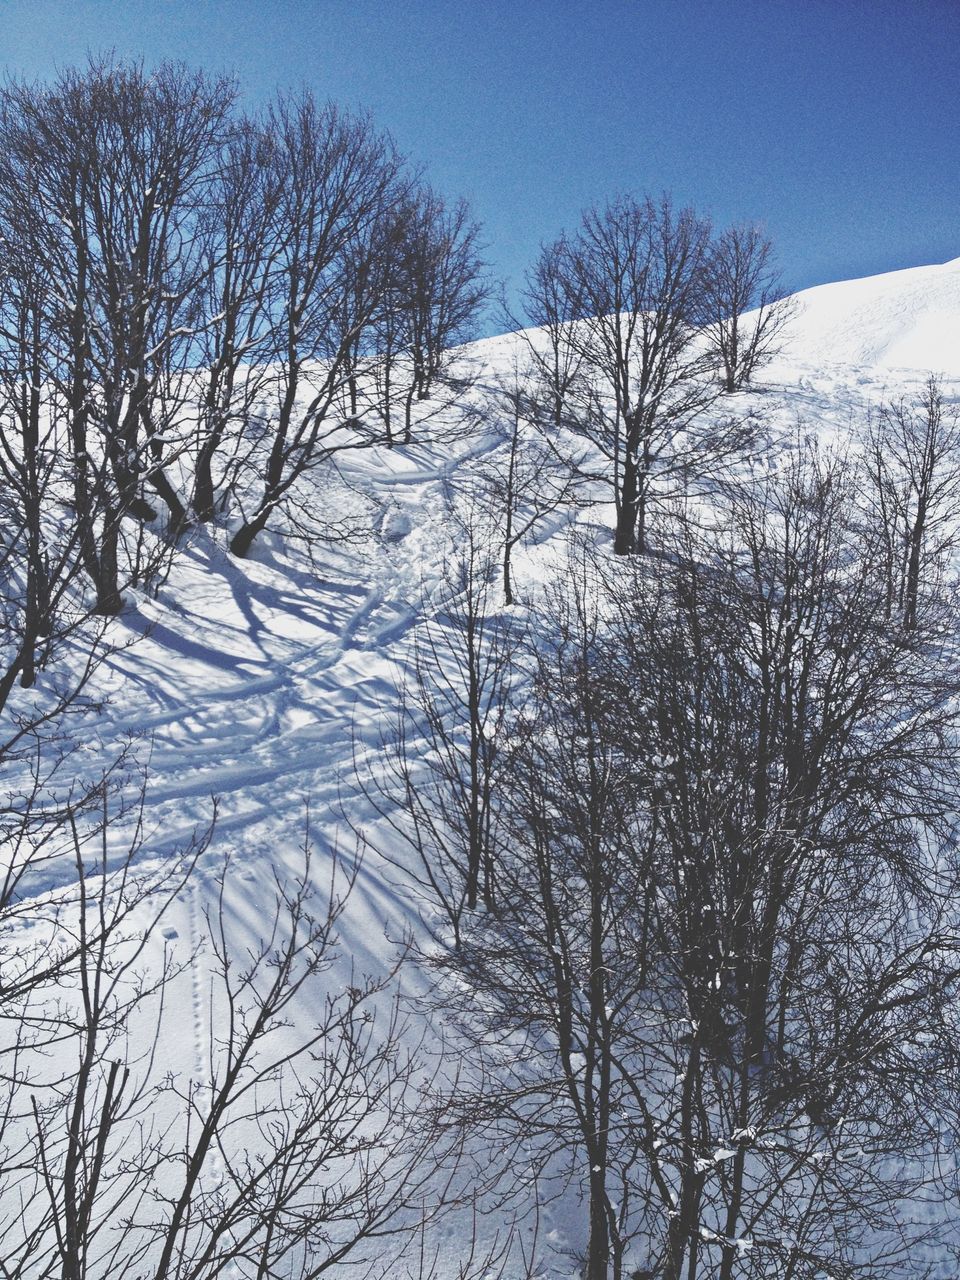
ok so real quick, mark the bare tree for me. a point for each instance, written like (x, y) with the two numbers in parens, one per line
(547, 982)
(329, 1160)
(436, 785)
(293, 1149)
(158, 140)
(44, 326)
(338, 182)
(912, 455)
(164, 236)
(725, 943)
(55, 932)
(433, 291)
(745, 311)
(242, 241)
(554, 304)
(442, 294)
(527, 482)
(797, 782)
(638, 374)
(43, 598)
(105, 173)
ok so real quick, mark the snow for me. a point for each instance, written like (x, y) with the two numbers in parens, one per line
(902, 319)
(265, 682)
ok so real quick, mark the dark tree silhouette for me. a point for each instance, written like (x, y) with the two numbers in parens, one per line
(103, 178)
(912, 457)
(621, 301)
(745, 311)
(724, 945)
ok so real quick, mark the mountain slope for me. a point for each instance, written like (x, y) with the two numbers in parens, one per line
(902, 319)
(264, 682)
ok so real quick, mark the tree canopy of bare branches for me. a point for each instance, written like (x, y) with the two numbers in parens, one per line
(745, 311)
(714, 986)
(619, 303)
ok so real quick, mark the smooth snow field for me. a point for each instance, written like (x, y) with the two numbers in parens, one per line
(264, 685)
(904, 319)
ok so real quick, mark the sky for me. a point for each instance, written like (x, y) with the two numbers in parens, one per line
(834, 123)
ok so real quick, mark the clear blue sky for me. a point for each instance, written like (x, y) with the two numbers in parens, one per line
(834, 122)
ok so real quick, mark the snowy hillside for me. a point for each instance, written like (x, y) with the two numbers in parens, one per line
(265, 685)
(903, 319)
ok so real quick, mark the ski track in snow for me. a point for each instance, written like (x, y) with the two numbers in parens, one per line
(284, 726)
(260, 683)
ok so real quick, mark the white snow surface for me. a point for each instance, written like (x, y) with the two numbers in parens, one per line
(263, 682)
(902, 319)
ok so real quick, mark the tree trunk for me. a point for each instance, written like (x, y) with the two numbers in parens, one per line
(387, 392)
(158, 478)
(598, 1247)
(82, 497)
(508, 502)
(203, 496)
(274, 485)
(630, 535)
(242, 540)
(109, 600)
(178, 512)
(625, 538)
(732, 381)
(475, 851)
(507, 583)
(408, 416)
(913, 566)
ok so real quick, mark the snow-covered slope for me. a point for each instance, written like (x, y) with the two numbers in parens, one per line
(902, 319)
(264, 683)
